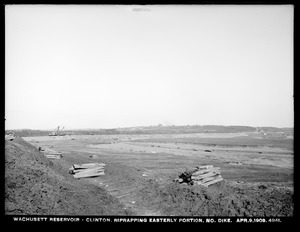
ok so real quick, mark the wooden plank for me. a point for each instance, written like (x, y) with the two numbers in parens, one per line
(213, 181)
(85, 175)
(46, 149)
(199, 177)
(46, 154)
(210, 179)
(202, 181)
(53, 157)
(209, 168)
(88, 170)
(92, 164)
(88, 165)
(206, 171)
(52, 153)
(205, 167)
(82, 169)
(88, 175)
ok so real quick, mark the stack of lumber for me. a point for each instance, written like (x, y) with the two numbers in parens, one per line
(87, 170)
(50, 153)
(202, 175)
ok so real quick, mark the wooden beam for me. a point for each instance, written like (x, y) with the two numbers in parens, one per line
(53, 157)
(213, 181)
(205, 180)
(88, 170)
(205, 167)
(52, 153)
(200, 172)
(87, 174)
(210, 179)
(88, 165)
(199, 177)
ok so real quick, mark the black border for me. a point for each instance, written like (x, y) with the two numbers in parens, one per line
(8, 219)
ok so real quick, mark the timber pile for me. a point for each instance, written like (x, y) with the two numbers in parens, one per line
(203, 175)
(87, 170)
(50, 153)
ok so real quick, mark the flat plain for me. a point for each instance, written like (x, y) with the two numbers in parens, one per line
(140, 169)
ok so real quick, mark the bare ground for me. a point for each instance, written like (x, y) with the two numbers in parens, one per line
(258, 181)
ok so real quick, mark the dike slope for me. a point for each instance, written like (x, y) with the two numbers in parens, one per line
(35, 185)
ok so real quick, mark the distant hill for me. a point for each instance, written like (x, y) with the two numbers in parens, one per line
(275, 129)
(157, 130)
(29, 133)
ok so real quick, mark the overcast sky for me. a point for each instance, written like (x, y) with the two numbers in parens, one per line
(103, 66)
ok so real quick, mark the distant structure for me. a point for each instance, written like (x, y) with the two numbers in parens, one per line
(56, 132)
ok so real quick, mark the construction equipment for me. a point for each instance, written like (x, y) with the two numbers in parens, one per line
(60, 133)
(56, 132)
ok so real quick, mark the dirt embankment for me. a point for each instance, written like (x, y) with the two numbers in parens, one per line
(221, 199)
(34, 185)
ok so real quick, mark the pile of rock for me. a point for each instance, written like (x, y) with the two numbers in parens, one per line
(202, 175)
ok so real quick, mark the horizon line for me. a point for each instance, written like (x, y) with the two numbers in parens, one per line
(158, 125)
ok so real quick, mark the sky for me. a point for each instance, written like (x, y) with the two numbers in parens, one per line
(110, 66)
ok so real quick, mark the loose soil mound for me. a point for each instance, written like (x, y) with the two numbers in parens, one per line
(221, 199)
(35, 185)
